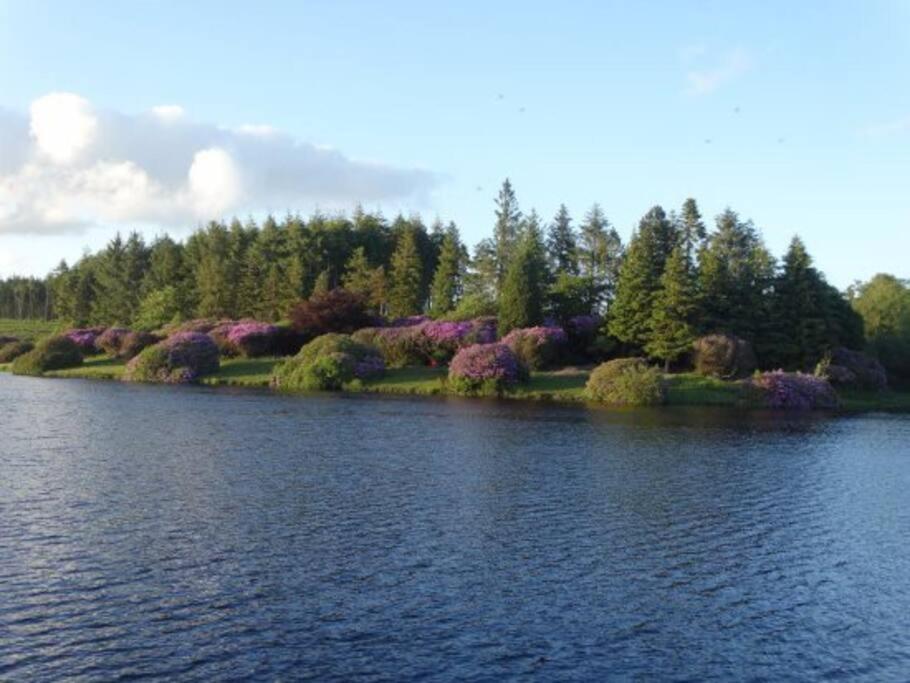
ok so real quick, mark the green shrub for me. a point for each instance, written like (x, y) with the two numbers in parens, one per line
(12, 350)
(179, 359)
(52, 353)
(328, 363)
(723, 356)
(626, 381)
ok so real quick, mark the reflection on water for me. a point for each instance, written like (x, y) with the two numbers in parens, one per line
(209, 534)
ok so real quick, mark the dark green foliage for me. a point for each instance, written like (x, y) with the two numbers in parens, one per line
(135, 342)
(855, 370)
(723, 356)
(691, 228)
(447, 280)
(639, 279)
(405, 278)
(562, 247)
(521, 302)
(672, 324)
(362, 278)
(572, 295)
(51, 353)
(600, 254)
(10, 351)
(626, 381)
(506, 231)
(334, 311)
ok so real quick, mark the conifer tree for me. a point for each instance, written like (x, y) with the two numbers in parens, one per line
(363, 279)
(405, 277)
(562, 248)
(629, 317)
(671, 329)
(692, 231)
(600, 252)
(505, 233)
(521, 303)
(447, 280)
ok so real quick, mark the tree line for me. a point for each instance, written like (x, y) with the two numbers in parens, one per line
(676, 279)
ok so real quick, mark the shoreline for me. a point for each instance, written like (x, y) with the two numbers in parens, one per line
(564, 386)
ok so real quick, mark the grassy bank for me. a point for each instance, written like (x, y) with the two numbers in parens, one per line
(28, 330)
(566, 385)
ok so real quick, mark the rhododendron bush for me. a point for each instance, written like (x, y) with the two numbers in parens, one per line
(626, 381)
(10, 351)
(111, 340)
(134, 342)
(179, 359)
(537, 347)
(84, 338)
(792, 390)
(51, 353)
(248, 338)
(426, 341)
(328, 363)
(724, 356)
(485, 369)
(853, 370)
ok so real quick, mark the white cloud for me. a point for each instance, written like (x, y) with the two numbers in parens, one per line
(67, 167)
(707, 80)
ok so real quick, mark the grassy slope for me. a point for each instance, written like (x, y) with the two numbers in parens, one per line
(559, 385)
(27, 329)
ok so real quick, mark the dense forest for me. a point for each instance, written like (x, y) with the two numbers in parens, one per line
(673, 281)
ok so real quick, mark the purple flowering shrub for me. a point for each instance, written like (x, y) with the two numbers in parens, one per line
(626, 381)
(792, 391)
(427, 342)
(485, 370)
(51, 353)
(134, 342)
(179, 359)
(724, 356)
(328, 363)
(202, 325)
(10, 351)
(111, 340)
(247, 338)
(853, 370)
(537, 347)
(409, 321)
(84, 338)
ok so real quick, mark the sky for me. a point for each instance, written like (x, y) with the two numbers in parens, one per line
(159, 116)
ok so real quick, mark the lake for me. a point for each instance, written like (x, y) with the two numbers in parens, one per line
(201, 534)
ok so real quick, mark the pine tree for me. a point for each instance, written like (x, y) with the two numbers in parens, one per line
(692, 231)
(323, 282)
(505, 233)
(405, 277)
(363, 279)
(600, 252)
(639, 278)
(522, 300)
(562, 248)
(447, 280)
(671, 329)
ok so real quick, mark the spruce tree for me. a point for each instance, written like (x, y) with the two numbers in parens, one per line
(671, 329)
(362, 278)
(506, 230)
(521, 299)
(562, 248)
(629, 316)
(600, 252)
(447, 285)
(405, 278)
(692, 231)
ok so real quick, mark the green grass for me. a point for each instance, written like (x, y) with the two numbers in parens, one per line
(94, 367)
(242, 372)
(691, 389)
(566, 385)
(27, 329)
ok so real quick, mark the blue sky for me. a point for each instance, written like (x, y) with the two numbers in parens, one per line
(797, 115)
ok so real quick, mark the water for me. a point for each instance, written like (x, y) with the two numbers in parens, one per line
(198, 534)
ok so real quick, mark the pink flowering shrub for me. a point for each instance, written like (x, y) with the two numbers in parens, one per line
(247, 338)
(398, 346)
(409, 321)
(853, 370)
(179, 359)
(133, 343)
(537, 347)
(328, 363)
(203, 325)
(84, 338)
(485, 369)
(792, 391)
(110, 340)
(428, 342)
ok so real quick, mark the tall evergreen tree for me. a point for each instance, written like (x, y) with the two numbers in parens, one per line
(364, 279)
(405, 277)
(506, 231)
(671, 328)
(629, 318)
(521, 303)
(447, 280)
(692, 230)
(600, 252)
(562, 247)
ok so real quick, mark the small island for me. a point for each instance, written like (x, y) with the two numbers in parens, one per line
(678, 316)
